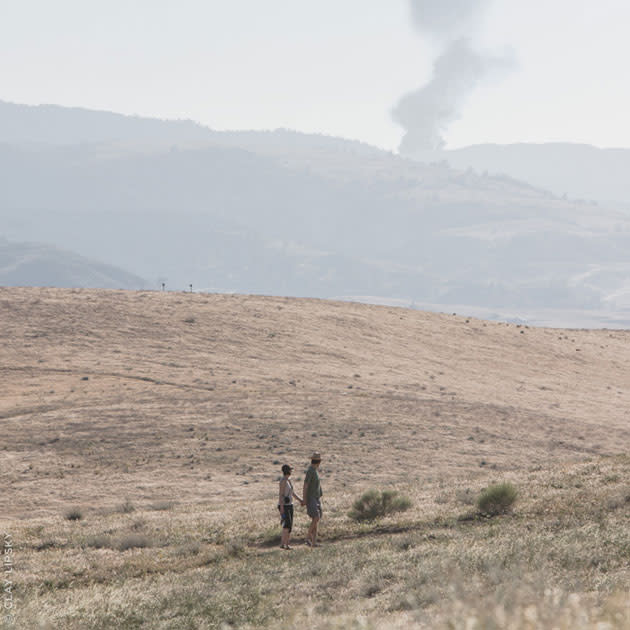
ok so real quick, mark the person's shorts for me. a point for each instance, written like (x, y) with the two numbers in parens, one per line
(287, 519)
(314, 508)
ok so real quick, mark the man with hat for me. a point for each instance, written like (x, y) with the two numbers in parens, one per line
(312, 497)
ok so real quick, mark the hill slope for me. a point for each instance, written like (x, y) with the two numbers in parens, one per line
(35, 264)
(105, 379)
(146, 431)
(577, 170)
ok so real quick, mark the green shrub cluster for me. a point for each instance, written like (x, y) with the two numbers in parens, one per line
(497, 499)
(375, 504)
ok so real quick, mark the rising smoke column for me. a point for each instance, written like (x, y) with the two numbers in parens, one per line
(426, 113)
(446, 19)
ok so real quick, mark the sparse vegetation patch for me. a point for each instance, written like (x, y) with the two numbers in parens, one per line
(497, 499)
(374, 504)
(73, 514)
(127, 507)
(133, 541)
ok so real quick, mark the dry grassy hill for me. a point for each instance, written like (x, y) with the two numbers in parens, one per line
(102, 390)
(190, 402)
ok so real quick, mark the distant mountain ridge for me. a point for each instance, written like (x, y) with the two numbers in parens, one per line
(305, 215)
(65, 126)
(578, 170)
(57, 125)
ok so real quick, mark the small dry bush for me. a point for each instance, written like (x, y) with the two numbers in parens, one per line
(235, 548)
(99, 542)
(126, 508)
(49, 543)
(374, 504)
(188, 549)
(133, 541)
(73, 514)
(497, 499)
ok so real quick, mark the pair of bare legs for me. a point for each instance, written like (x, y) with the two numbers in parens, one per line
(284, 538)
(311, 535)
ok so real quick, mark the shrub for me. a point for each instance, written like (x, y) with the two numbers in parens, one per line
(162, 505)
(235, 549)
(374, 504)
(132, 541)
(73, 514)
(49, 543)
(405, 543)
(497, 499)
(99, 542)
(188, 549)
(371, 589)
(127, 507)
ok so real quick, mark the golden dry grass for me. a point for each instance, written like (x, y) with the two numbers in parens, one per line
(163, 419)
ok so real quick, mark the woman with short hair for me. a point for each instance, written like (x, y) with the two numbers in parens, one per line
(285, 505)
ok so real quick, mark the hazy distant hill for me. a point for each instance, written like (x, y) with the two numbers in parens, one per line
(296, 214)
(35, 264)
(55, 125)
(66, 126)
(577, 170)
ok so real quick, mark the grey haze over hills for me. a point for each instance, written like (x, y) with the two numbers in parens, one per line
(34, 264)
(55, 125)
(579, 171)
(306, 215)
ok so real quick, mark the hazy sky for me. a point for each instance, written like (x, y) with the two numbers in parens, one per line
(331, 66)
